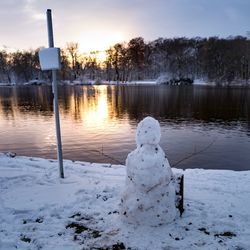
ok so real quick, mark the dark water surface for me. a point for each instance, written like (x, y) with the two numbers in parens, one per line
(202, 127)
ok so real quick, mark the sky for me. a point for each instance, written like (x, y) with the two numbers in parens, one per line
(98, 24)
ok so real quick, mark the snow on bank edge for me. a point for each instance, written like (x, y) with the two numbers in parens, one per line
(40, 211)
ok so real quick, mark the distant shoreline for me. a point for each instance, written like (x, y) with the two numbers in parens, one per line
(199, 82)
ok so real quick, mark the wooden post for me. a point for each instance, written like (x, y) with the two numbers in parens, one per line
(179, 180)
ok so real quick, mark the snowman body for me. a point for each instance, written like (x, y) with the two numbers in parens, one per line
(149, 195)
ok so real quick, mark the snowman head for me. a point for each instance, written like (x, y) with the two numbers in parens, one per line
(148, 132)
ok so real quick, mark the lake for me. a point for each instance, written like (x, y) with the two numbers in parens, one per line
(202, 126)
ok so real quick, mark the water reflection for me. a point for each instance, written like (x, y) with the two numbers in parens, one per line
(99, 120)
(95, 104)
(183, 104)
(90, 106)
(22, 100)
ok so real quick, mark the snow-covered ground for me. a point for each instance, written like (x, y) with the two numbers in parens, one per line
(103, 82)
(202, 82)
(6, 84)
(40, 211)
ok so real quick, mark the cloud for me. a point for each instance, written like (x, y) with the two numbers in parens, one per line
(23, 22)
(29, 8)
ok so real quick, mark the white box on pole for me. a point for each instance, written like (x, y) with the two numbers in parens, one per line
(50, 59)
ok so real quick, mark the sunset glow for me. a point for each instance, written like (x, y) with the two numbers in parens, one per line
(97, 26)
(101, 56)
(99, 40)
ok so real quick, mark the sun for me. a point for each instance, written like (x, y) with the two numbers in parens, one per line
(99, 41)
(101, 56)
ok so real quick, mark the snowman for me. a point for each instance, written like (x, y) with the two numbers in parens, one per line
(149, 195)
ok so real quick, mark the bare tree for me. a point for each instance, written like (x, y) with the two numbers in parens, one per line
(72, 49)
(4, 67)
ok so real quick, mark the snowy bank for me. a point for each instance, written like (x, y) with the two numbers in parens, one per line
(40, 211)
(6, 84)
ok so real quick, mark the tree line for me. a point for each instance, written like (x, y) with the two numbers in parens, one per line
(220, 60)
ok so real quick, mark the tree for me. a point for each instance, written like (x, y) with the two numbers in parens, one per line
(136, 55)
(65, 72)
(4, 67)
(72, 49)
(214, 59)
(25, 65)
(118, 59)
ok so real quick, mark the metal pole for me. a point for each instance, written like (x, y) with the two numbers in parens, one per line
(55, 99)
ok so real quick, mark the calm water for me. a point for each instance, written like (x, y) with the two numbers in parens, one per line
(209, 127)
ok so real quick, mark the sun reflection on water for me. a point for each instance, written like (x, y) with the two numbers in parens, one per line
(91, 108)
(96, 114)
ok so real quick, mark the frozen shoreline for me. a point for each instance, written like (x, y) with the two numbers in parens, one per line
(39, 210)
(199, 82)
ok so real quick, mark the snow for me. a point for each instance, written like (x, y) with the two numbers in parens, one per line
(149, 195)
(40, 211)
(148, 132)
(6, 84)
(141, 82)
(145, 82)
(203, 82)
(163, 79)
